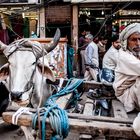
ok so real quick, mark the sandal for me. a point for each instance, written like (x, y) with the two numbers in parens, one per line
(93, 95)
(99, 95)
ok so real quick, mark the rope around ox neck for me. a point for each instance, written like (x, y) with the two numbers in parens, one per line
(58, 117)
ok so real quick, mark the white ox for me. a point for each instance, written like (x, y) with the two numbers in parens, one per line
(23, 73)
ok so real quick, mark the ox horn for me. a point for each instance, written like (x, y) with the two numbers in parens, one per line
(54, 42)
(2, 46)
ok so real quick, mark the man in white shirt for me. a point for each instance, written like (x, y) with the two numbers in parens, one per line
(110, 62)
(127, 72)
(91, 57)
(111, 56)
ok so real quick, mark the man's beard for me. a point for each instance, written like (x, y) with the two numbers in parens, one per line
(118, 47)
(135, 51)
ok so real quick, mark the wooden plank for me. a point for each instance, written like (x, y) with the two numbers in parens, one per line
(63, 101)
(88, 127)
(47, 40)
(83, 117)
(85, 86)
(88, 109)
(118, 109)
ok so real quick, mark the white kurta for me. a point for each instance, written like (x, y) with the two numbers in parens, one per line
(91, 54)
(91, 57)
(110, 58)
(127, 80)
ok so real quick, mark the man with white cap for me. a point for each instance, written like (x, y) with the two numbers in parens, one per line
(127, 72)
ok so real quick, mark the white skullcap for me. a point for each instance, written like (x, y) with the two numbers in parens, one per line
(129, 30)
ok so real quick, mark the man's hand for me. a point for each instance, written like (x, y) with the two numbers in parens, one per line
(87, 68)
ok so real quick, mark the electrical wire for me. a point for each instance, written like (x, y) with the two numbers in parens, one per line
(36, 7)
(109, 16)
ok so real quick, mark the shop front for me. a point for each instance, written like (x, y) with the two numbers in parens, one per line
(125, 17)
(102, 17)
(19, 19)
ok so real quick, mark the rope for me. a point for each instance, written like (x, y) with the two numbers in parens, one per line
(41, 90)
(58, 117)
(41, 98)
(71, 86)
(73, 101)
(19, 112)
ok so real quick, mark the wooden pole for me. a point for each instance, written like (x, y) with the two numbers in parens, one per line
(75, 33)
(75, 26)
(77, 125)
(42, 27)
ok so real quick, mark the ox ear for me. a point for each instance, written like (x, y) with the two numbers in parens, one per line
(47, 72)
(4, 72)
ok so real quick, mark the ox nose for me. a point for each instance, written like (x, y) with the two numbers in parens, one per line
(16, 95)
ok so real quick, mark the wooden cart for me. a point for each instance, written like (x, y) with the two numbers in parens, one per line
(87, 126)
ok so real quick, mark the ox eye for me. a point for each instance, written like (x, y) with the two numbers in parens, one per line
(33, 63)
(28, 86)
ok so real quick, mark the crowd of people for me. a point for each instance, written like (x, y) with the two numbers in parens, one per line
(94, 58)
(121, 62)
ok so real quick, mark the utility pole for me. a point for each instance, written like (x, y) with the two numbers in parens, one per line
(42, 26)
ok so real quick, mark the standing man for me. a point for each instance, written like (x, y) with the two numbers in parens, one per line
(81, 52)
(127, 72)
(101, 49)
(91, 57)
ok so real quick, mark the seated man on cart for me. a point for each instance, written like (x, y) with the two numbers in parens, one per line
(127, 72)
